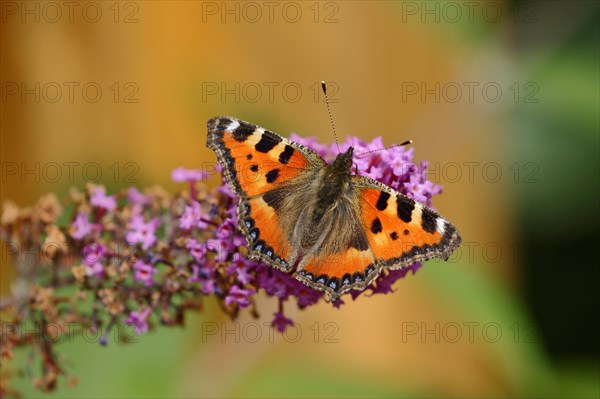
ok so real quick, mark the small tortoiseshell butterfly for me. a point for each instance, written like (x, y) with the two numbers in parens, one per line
(336, 230)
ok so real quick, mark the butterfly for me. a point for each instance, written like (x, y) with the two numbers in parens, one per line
(335, 231)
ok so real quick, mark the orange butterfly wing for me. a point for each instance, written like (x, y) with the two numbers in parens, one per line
(338, 273)
(257, 162)
(400, 230)
(391, 230)
(254, 159)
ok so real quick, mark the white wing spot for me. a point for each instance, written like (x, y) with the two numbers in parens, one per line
(441, 225)
(232, 126)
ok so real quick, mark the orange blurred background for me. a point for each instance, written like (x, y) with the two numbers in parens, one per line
(119, 93)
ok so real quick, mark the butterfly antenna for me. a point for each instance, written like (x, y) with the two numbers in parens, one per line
(407, 142)
(324, 87)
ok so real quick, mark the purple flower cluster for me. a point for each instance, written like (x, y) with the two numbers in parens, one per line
(213, 250)
(199, 238)
(151, 255)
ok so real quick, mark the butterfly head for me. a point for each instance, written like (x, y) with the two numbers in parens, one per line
(343, 162)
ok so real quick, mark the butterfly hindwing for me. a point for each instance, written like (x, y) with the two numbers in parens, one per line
(400, 230)
(266, 240)
(339, 273)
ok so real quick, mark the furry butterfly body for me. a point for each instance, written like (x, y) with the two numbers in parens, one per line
(333, 230)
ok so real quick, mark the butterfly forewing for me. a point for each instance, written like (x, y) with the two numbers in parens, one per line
(258, 166)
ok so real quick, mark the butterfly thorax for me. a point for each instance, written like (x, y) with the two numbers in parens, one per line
(334, 181)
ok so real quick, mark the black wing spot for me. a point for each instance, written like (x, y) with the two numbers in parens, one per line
(259, 246)
(394, 236)
(405, 208)
(285, 156)
(346, 279)
(254, 168)
(249, 157)
(223, 124)
(334, 283)
(267, 142)
(428, 220)
(243, 131)
(382, 201)
(376, 226)
(272, 175)
(405, 232)
(358, 277)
